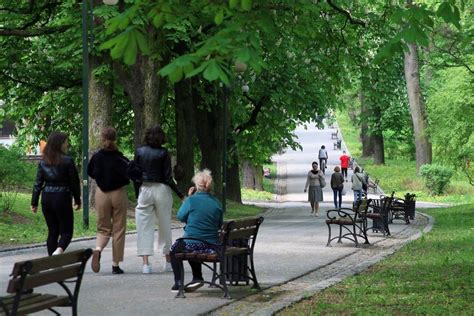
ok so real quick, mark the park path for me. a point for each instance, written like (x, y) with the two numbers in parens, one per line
(291, 256)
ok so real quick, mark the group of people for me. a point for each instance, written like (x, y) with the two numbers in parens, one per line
(58, 183)
(315, 181)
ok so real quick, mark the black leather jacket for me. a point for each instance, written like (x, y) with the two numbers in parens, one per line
(57, 178)
(156, 166)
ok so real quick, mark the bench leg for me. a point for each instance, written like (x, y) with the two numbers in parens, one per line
(329, 237)
(254, 276)
(222, 276)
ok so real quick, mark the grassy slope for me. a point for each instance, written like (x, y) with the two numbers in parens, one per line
(433, 275)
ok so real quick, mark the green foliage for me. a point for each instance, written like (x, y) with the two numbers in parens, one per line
(436, 177)
(430, 276)
(12, 174)
(451, 114)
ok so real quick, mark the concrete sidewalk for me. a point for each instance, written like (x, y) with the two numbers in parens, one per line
(291, 257)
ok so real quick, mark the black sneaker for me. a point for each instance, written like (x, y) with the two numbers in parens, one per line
(116, 270)
(175, 288)
(194, 285)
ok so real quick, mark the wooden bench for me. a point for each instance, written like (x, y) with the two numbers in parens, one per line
(378, 212)
(231, 246)
(350, 222)
(30, 274)
(334, 135)
(338, 144)
(403, 208)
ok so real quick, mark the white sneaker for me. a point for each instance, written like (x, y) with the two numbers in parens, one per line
(146, 269)
(167, 267)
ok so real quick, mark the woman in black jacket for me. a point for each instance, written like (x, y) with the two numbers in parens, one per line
(108, 168)
(154, 199)
(58, 180)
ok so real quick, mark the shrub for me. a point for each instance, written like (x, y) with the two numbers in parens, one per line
(13, 172)
(436, 178)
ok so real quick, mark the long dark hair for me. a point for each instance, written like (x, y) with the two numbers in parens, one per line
(53, 153)
(154, 136)
(109, 136)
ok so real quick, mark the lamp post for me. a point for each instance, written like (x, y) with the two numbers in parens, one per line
(87, 15)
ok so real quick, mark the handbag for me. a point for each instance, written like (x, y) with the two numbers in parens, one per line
(322, 181)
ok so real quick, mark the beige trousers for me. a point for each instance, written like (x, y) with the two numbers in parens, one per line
(154, 201)
(111, 208)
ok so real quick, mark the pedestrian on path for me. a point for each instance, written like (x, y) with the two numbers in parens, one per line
(203, 216)
(344, 163)
(323, 158)
(315, 180)
(58, 182)
(108, 168)
(154, 198)
(337, 185)
(357, 183)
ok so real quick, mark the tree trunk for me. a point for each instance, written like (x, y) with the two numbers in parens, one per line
(100, 114)
(259, 177)
(379, 156)
(248, 175)
(185, 132)
(210, 135)
(366, 139)
(417, 107)
(233, 181)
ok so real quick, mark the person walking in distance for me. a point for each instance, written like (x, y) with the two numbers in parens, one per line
(344, 163)
(315, 180)
(58, 182)
(337, 185)
(108, 168)
(357, 181)
(154, 198)
(323, 158)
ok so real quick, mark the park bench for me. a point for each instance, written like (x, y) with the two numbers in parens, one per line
(337, 144)
(403, 208)
(334, 135)
(379, 213)
(28, 275)
(350, 222)
(237, 241)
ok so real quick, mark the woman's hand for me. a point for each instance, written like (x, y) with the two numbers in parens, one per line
(191, 191)
(77, 207)
(304, 190)
(34, 209)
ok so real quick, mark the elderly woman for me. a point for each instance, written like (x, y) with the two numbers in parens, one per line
(315, 180)
(203, 216)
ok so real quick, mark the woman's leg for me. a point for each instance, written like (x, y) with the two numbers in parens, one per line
(103, 208)
(163, 202)
(145, 220)
(316, 208)
(312, 207)
(119, 223)
(65, 216)
(334, 192)
(340, 197)
(51, 222)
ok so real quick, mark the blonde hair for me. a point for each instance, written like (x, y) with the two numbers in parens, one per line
(203, 180)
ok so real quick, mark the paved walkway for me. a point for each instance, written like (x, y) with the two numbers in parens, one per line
(291, 256)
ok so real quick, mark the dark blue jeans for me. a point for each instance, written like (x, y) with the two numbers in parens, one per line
(337, 193)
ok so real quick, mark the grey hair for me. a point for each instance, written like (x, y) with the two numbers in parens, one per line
(203, 180)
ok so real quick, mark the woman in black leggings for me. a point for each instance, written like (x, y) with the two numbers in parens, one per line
(58, 180)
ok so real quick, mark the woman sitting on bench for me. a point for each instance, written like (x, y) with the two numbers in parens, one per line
(203, 216)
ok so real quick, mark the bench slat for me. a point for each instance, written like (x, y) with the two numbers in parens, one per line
(51, 262)
(242, 233)
(8, 300)
(246, 222)
(46, 302)
(39, 279)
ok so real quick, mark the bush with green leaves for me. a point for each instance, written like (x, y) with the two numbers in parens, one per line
(13, 172)
(436, 178)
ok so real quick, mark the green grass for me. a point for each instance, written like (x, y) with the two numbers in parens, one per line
(400, 175)
(21, 226)
(268, 187)
(433, 275)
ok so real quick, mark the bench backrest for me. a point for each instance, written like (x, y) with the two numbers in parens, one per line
(29, 274)
(241, 230)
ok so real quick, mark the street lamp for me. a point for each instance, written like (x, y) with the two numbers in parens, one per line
(87, 15)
